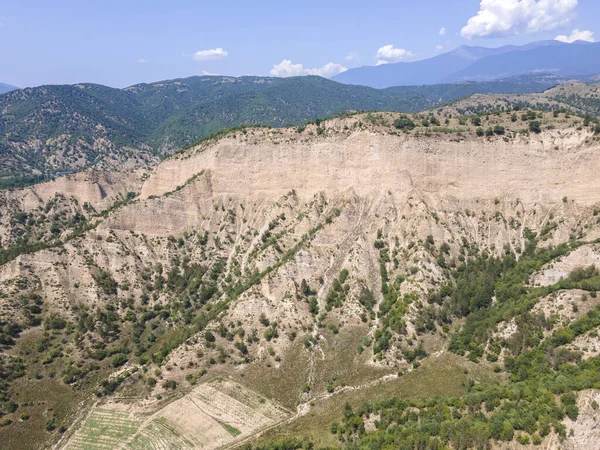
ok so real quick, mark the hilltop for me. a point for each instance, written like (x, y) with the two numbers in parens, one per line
(244, 290)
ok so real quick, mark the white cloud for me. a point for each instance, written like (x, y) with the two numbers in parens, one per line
(439, 48)
(352, 56)
(497, 18)
(211, 54)
(204, 72)
(141, 61)
(388, 54)
(577, 35)
(442, 31)
(329, 70)
(287, 68)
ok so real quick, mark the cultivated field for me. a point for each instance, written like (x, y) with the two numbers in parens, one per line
(210, 416)
(104, 428)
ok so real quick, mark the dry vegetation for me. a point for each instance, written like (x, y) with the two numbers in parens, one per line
(304, 267)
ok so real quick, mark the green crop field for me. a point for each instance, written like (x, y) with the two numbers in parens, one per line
(104, 429)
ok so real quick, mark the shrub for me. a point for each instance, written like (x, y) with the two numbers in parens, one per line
(334, 428)
(243, 349)
(50, 425)
(523, 439)
(271, 333)
(263, 320)
(535, 127)
(314, 306)
(53, 322)
(209, 337)
(404, 123)
(5, 422)
(10, 406)
(106, 282)
(169, 384)
(119, 360)
(572, 412)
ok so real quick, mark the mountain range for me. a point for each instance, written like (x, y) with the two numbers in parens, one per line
(6, 88)
(50, 129)
(482, 64)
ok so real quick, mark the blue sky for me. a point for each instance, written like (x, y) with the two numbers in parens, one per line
(119, 43)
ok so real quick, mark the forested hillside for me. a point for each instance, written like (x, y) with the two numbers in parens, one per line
(52, 129)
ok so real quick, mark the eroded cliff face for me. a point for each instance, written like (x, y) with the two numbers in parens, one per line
(269, 227)
(533, 168)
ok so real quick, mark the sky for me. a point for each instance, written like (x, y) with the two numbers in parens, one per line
(120, 43)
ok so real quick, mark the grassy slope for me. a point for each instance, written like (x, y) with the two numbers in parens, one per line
(439, 376)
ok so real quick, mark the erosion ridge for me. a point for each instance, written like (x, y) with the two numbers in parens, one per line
(300, 264)
(49, 130)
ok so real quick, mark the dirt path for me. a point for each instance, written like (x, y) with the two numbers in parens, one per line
(304, 408)
(335, 265)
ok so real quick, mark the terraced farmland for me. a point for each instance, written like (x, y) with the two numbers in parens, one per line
(104, 428)
(161, 434)
(210, 416)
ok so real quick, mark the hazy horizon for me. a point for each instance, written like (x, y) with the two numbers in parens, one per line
(122, 44)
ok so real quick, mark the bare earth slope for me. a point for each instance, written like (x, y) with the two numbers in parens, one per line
(272, 163)
(257, 260)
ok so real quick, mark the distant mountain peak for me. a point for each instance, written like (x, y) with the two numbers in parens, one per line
(464, 51)
(580, 42)
(7, 88)
(482, 64)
